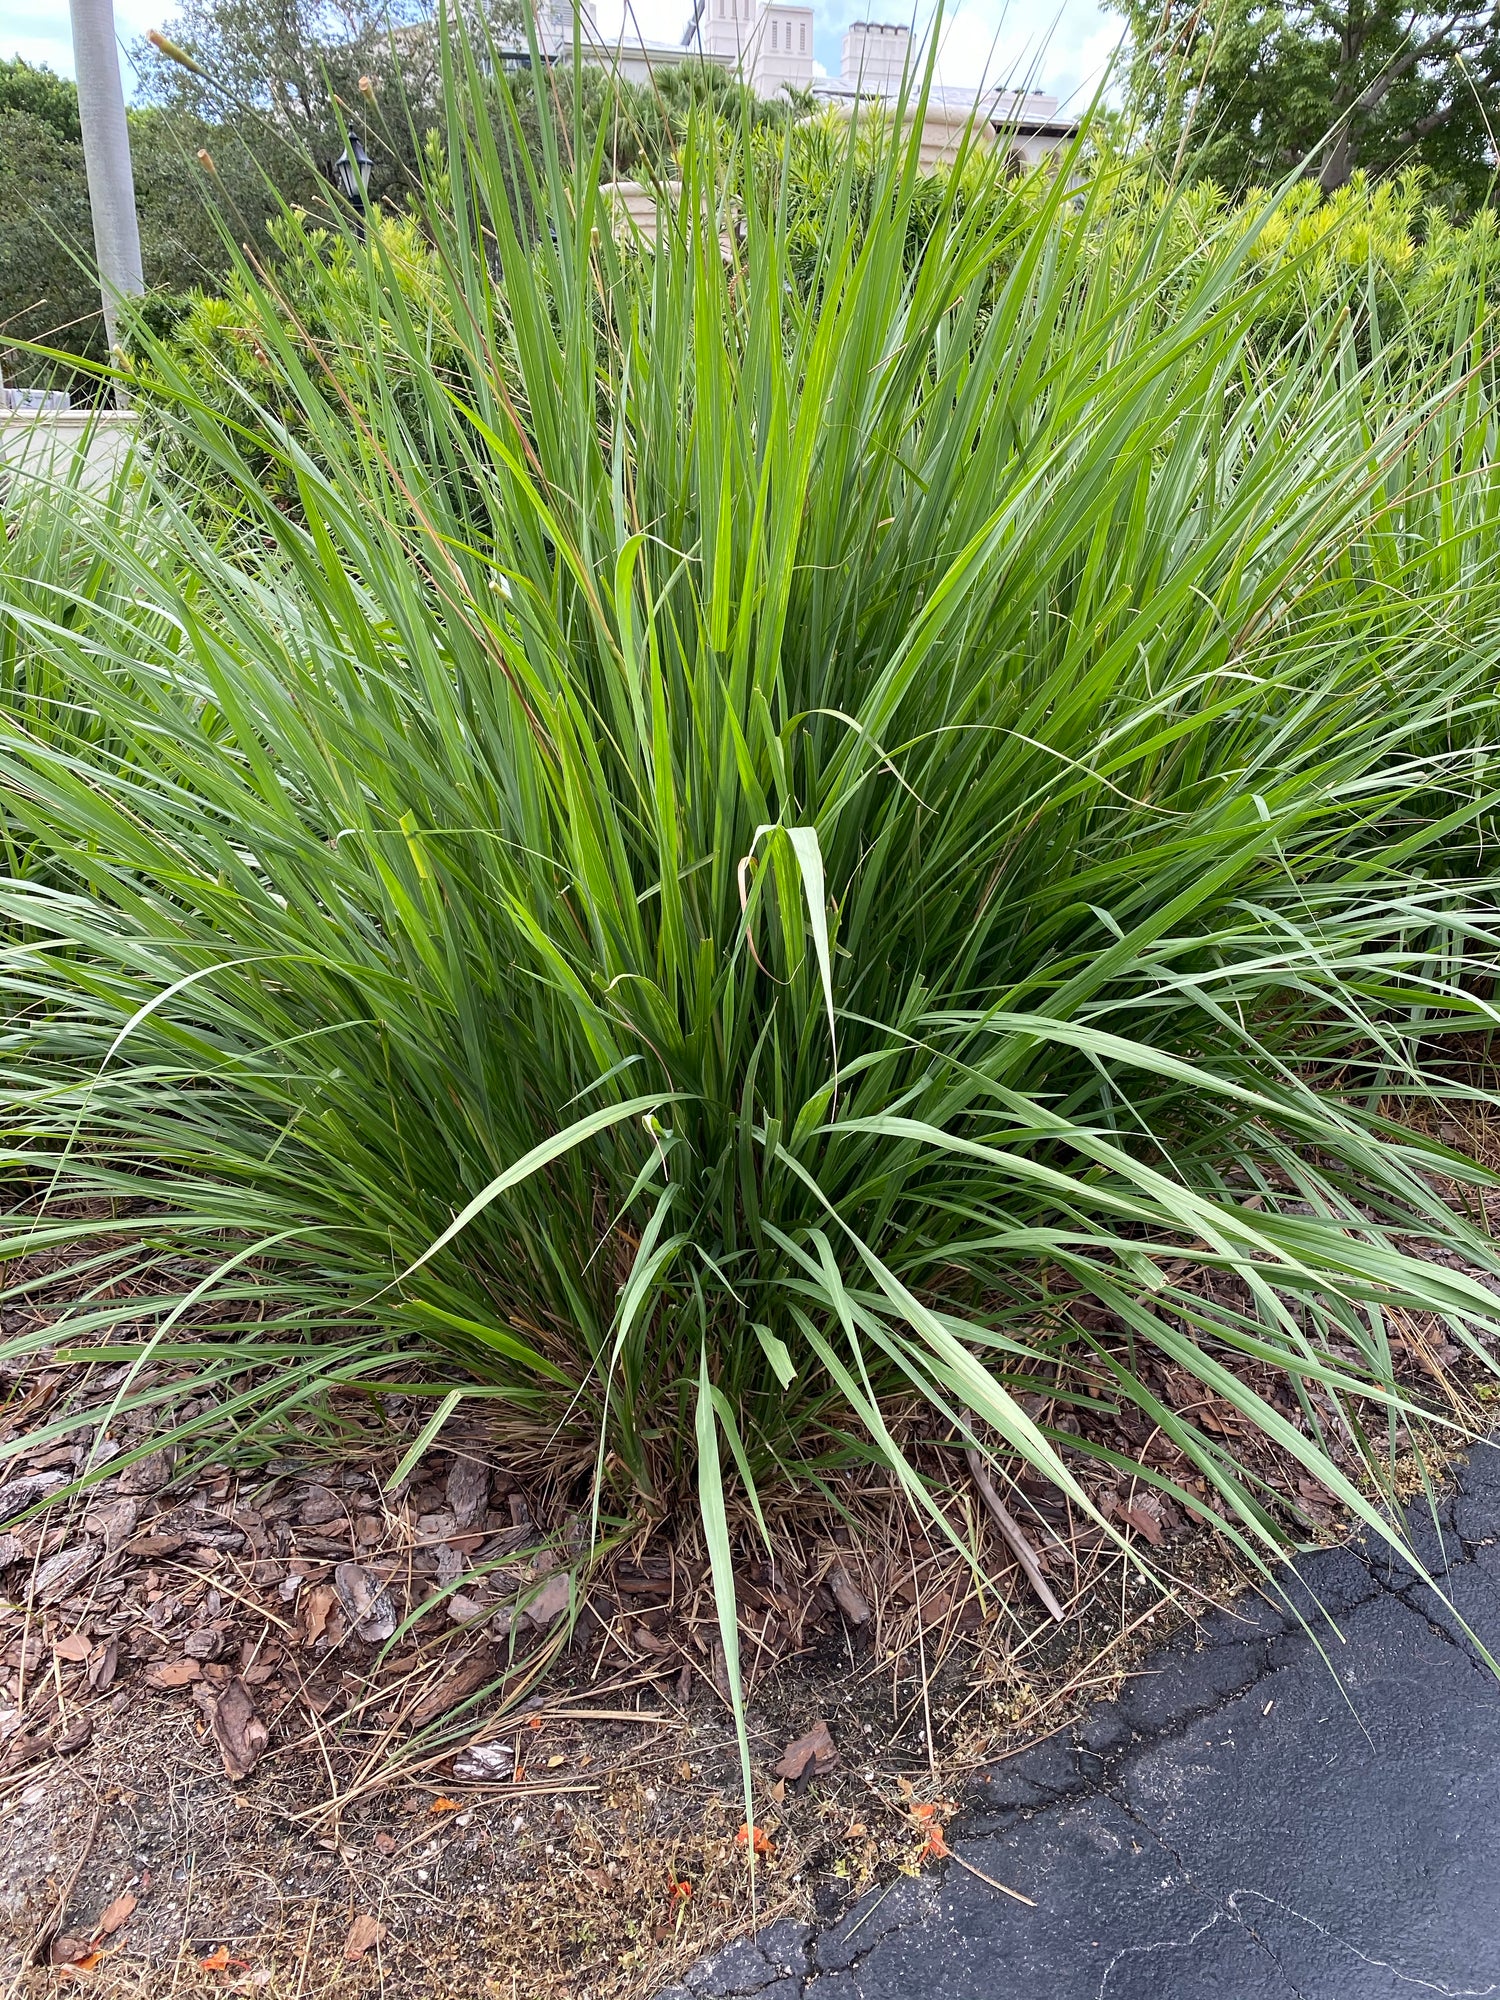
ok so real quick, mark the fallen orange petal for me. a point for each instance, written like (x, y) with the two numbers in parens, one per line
(758, 1842)
(221, 1961)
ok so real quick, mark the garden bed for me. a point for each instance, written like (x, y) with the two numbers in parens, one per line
(735, 989)
(206, 1767)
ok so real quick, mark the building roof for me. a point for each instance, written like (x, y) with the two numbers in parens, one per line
(1029, 112)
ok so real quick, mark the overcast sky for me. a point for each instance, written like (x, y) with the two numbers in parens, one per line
(1055, 45)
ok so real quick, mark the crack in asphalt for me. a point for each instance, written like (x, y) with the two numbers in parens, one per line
(1107, 1774)
(1438, 1631)
(1230, 1910)
(1224, 1913)
(1186, 1944)
(1296, 1991)
(1365, 1958)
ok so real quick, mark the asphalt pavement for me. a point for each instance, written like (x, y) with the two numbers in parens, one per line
(1254, 1819)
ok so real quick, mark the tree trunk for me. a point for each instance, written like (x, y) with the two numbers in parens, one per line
(1338, 154)
(106, 154)
(1338, 160)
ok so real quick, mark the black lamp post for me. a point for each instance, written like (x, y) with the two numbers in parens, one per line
(351, 176)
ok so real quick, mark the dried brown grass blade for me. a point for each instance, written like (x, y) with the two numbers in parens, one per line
(1008, 1527)
(1014, 1894)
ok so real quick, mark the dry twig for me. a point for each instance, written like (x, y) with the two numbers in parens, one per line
(1025, 1554)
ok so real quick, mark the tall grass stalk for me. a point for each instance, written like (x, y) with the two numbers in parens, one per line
(756, 851)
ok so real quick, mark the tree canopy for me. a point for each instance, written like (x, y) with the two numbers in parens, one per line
(1243, 91)
(277, 85)
(49, 293)
(42, 94)
(300, 74)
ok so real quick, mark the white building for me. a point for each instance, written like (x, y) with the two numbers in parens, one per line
(770, 43)
(875, 55)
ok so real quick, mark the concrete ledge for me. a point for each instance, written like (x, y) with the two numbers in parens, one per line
(46, 445)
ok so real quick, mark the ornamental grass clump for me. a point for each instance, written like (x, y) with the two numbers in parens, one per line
(754, 856)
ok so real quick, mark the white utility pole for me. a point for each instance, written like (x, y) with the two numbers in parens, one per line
(106, 153)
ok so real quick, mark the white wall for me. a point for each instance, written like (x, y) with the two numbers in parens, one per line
(783, 48)
(727, 28)
(875, 54)
(554, 24)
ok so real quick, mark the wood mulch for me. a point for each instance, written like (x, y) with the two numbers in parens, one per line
(299, 1728)
(222, 1767)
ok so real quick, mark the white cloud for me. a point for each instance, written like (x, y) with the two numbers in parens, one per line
(1064, 49)
(652, 20)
